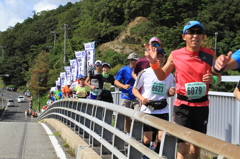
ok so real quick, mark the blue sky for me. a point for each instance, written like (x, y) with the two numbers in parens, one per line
(14, 11)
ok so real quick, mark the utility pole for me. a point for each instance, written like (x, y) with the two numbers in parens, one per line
(216, 34)
(54, 32)
(3, 47)
(38, 94)
(65, 37)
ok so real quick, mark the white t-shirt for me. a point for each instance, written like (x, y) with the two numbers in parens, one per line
(153, 89)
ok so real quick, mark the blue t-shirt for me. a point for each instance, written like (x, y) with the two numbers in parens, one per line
(60, 94)
(236, 56)
(124, 75)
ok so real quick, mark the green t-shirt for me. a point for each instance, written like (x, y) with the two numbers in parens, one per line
(57, 94)
(81, 91)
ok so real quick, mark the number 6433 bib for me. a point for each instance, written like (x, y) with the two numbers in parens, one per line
(195, 90)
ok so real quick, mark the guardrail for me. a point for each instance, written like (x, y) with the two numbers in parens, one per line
(94, 120)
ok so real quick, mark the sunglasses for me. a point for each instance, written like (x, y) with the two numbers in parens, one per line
(98, 65)
(194, 32)
(155, 45)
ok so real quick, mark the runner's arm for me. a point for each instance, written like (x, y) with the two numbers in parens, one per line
(215, 73)
(162, 73)
(237, 93)
(120, 85)
(87, 83)
(134, 75)
(137, 94)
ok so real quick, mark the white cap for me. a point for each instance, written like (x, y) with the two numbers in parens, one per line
(98, 62)
(107, 64)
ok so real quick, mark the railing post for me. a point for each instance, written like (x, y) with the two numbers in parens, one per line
(168, 145)
(237, 136)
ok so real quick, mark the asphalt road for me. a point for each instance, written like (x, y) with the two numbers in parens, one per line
(24, 139)
(16, 113)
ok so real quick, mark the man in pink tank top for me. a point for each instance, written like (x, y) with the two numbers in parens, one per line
(193, 74)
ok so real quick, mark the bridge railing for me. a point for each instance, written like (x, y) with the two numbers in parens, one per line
(224, 113)
(94, 120)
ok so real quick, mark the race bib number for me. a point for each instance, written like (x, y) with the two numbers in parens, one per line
(107, 86)
(158, 88)
(95, 92)
(195, 90)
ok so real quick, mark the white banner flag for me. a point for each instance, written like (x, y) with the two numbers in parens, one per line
(90, 53)
(73, 68)
(81, 64)
(63, 79)
(53, 88)
(68, 76)
(58, 82)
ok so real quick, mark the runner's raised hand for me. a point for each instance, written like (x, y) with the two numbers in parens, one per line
(151, 53)
(222, 61)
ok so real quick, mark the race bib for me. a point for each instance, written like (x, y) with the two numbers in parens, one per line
(107, 86)
(158, 88)
(95, 92)
(195, 90)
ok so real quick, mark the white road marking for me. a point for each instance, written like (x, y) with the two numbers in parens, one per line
(57, 147)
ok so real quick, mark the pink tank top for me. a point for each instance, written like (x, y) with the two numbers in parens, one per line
(190, 67)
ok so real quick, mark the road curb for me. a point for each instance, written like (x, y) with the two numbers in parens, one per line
(82, 150)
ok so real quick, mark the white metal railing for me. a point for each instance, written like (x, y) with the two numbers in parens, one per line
(92, 119)
(224, 113)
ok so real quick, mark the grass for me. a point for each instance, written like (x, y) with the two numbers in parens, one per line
(57, 133)
(113, 122)
(207, 155)
(1, 83)
(71, 152)
(65, 144)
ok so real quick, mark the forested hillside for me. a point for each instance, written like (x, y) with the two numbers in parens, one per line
(30, 54)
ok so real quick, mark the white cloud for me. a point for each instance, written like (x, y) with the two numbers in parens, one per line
(14, 11)
(44, 5)
(11, 12)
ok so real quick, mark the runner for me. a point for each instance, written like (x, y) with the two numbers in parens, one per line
(152, 94)
(81, 89)
(106, 80)
(125, 81)
(94, 82)
(26, 114)
(193, 73)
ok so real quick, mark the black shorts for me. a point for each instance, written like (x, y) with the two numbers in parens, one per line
(149, 128)
(195, 118)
